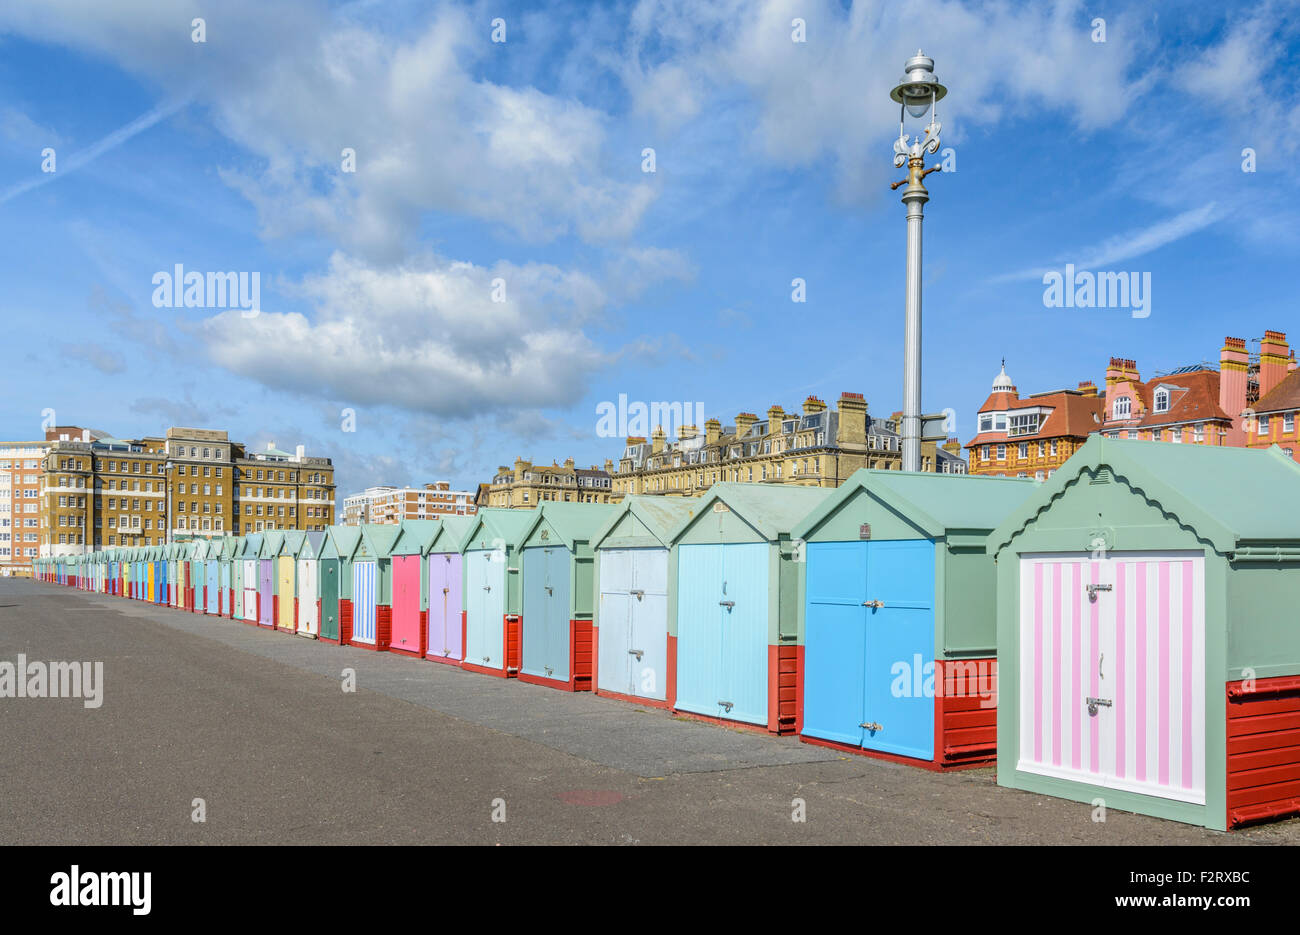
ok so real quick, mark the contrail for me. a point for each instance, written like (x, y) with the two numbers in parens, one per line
(94, 151)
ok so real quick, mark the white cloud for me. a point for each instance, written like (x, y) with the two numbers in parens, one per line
(295, 83)
(828, 96)
(425, 337)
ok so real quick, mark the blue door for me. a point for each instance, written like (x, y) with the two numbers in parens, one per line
(535, 621)
(722, 630)
(835, 649)
(546, 612)
(485, 603)
(869, 669)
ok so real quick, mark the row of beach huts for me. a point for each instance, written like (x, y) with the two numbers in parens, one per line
(1127, 631)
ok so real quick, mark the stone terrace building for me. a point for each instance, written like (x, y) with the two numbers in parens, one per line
(527, 484)
(818, 447)
(388, 504)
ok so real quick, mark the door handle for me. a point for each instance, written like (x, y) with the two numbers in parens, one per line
(873, 604)
(872, 726)
(638, 594)
(727, 604)
(1093, 589)
(549, 591)
(1094, 703)
(728, 705)
(445, 590)
(548, 669)
(636, 652)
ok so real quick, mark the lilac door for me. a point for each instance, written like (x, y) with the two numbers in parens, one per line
(265, 588)
(445, 606)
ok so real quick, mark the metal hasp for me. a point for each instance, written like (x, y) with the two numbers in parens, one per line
(916, 93)
(727, 604)
(1094, 703)
(873, 604)
(872, 726)
(726, 705)
(1093, 589)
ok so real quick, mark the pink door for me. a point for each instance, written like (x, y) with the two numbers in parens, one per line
(406, 603)
(1112, 671)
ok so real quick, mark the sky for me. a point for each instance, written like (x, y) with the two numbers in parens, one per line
(462, 251)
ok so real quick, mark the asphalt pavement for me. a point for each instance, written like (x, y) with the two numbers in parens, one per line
(251, 730)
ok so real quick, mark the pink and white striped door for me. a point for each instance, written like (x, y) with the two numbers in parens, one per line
(1112, 690)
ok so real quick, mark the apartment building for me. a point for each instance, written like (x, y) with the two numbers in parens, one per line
(20, 505)
(818, 447)
(386, 504)
(278, 490)
(1034, 435)
(98, 491)
(527, 484)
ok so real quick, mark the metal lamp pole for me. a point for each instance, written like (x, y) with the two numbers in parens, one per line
(918, 92)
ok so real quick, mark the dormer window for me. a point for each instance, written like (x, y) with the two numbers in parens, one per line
(1123, 407)
(1162, 400)
(986, 422)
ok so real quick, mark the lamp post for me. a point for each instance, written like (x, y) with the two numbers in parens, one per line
(917, 93)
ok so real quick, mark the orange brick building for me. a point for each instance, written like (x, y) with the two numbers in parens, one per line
(1031, 437)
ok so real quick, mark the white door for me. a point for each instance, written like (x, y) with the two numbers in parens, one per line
(250, 590)
(633, 644)
(614, 673)
(308, 618)
(1112, 662)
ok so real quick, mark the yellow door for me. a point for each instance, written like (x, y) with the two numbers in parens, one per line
(149, 596)
(285, 570)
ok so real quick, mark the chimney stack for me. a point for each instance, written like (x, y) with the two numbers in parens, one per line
(852, 433)
(1234, 366)
(744, 420)
(813, 405)
(712, 431)
(1274, 354)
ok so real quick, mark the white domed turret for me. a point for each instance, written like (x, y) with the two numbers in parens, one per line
(1002, 383)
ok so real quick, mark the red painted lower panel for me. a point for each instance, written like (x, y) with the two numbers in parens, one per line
(514, 643)
(672, 671)
(345, 621)
(1263, 755)
(784, 688)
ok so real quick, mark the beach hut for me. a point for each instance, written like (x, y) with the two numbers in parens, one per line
(557, 578)
(633, 568)
(444, 592)
(334, 580)
(286, 580)
(1148, 656)
(157, 574)
(250, 575)
(900, 617)
(738, 607)
(372, 582)
(229, 549)
(272, 539)
(492, 594)
(212, 577)
(307, 576)
(199, 575)
(410, 615)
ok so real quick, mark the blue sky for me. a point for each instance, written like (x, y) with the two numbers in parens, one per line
(521, 161)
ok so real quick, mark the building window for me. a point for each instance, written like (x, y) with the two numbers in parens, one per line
(1264, 427)
(1053, 447)
(1288, 423)
(1123, 408)
(986, 421)
(1002, 452)
(1162, 400)
(1198, 434)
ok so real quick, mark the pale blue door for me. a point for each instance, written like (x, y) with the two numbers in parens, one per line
(559, 566)
(835, 641)
(535, 609)
(743, 680)
(485, 601)
(699, 628)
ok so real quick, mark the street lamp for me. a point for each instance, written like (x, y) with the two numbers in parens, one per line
(917, 93)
